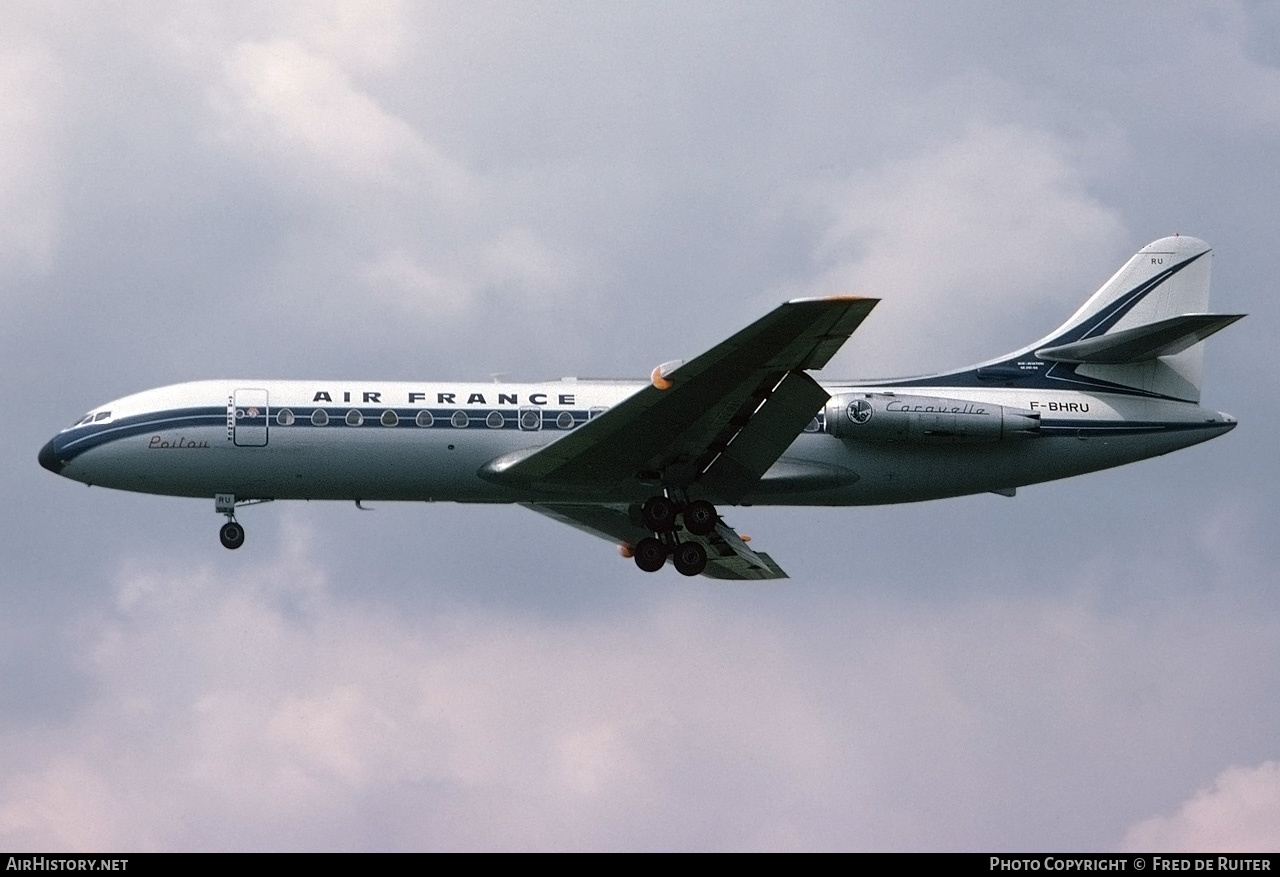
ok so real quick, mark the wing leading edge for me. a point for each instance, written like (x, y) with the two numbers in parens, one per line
(711, 426)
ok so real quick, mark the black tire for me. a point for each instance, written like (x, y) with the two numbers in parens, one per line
(232, 535)
(659, 514)
(649, 554)
(700, 517)
(690, 558)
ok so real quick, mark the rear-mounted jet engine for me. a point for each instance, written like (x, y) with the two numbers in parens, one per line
(892, 417)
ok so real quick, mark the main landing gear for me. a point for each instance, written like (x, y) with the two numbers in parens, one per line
(660, 514)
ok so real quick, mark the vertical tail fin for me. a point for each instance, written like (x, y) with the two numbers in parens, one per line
(1143, 328)
(1139, 334)
(1166, 278)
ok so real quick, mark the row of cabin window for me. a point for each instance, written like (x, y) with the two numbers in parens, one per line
(529, 420)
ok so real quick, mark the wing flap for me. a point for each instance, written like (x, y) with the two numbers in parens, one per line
(728, 557)
(760, 443)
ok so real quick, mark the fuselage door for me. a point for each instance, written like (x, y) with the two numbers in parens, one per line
(251, 416)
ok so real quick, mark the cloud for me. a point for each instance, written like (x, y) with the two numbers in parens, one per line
(390, 213)
(30, 170)
(1239, 813)
(515, 264)
(347, 187)
(251, 712)
(283, 710)
(280, 102)
(963, 240)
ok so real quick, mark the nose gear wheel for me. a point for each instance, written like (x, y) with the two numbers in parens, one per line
(232, 535)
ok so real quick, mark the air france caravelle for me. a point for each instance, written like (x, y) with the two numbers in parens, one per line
(650, 465)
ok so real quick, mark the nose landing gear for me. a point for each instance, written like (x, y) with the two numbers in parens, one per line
(232, 533)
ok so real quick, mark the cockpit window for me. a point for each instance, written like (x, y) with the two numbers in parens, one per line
(101, 416)
(88, 418)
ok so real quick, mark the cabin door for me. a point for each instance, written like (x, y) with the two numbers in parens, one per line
(251, 418)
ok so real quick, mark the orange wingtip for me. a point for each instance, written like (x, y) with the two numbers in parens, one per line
(625, 550)
(659, 381)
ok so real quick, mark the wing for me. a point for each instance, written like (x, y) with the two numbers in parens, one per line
(728, 557)
(717, 422)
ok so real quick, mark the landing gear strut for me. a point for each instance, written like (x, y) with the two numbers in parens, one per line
(660, 514)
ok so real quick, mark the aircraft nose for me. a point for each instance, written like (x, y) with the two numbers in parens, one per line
(49, 458)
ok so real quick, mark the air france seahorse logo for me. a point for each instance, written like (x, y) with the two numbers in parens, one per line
(859, 411)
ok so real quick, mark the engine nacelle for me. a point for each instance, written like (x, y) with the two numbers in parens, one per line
(893, 417)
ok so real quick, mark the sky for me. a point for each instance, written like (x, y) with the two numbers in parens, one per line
(449, 191)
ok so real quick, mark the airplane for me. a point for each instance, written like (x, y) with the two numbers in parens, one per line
(651, 465)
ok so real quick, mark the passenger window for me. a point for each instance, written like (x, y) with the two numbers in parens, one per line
(812, 426)
(565, 420)
(354, 417)
(319, 417)
(424, 418)
(390, 418)
(530, 419)
(495, 420)
(284, 417)
(460, 419)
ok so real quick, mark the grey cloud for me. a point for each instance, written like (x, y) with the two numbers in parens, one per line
(447, 191)
(1240, 813)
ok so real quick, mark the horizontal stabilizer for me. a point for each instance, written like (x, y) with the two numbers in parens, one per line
(1141, 343)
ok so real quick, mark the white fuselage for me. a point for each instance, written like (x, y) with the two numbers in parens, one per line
(381, 440)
